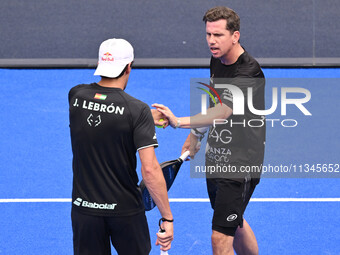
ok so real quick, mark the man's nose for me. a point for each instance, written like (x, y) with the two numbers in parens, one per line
(211, 40)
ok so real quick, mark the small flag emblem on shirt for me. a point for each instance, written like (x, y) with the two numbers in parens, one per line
(100, 96)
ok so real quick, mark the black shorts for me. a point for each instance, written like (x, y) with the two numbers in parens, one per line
(229, 200)
(91, 234)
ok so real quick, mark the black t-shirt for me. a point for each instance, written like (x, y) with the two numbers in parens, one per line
(107, 127)
(237, 144)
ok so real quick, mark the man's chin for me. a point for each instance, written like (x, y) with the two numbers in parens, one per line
(216, 56)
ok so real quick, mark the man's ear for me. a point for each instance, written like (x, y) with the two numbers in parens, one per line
(128, 69)
(236, 37)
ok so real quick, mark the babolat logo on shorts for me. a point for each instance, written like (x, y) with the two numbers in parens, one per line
(232, 217)
(83, 203)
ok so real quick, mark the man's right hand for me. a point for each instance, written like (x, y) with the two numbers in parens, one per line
(159, 118)
(164, 239)
(167, 113)
(191, 144)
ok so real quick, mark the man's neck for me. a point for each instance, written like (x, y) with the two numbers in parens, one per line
(233, 55)
(112, 83)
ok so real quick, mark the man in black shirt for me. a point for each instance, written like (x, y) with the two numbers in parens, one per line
(108, 127)
(237, 144)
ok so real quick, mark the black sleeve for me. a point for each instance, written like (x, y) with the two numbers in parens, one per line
(257, 86)
(70, 94)
(73, 91)
(144, 134)
(227, 97)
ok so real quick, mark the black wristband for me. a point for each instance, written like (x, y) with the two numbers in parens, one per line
(199, 134)
(164, 219)
(160, 221)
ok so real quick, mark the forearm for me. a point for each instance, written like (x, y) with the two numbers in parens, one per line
(196, 121)
(199, 120)
(155, 183)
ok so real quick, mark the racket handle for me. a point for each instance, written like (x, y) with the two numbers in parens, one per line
(163, 252)
(185, 155)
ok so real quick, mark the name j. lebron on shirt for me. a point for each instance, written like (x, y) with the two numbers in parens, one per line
(99, 107)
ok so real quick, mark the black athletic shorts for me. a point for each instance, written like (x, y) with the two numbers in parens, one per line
(91, 234)
(229, 200)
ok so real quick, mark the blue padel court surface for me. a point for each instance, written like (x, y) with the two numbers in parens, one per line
(288, 215)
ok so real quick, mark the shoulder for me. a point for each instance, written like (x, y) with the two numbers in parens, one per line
(137, 107)
(140, 113)
(77, 88)
(80, 86)
(134, 101)
(248, 66)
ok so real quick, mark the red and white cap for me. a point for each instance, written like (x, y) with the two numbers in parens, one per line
(114, 55)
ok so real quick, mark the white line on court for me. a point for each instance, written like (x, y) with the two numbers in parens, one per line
(174, 200)
(262, 199)
(35, 200)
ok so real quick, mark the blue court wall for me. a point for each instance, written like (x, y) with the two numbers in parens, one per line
(165, 29)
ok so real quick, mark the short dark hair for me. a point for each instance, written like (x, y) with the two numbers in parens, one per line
(222, 12)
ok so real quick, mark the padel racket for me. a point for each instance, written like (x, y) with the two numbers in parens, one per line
(170, 169)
